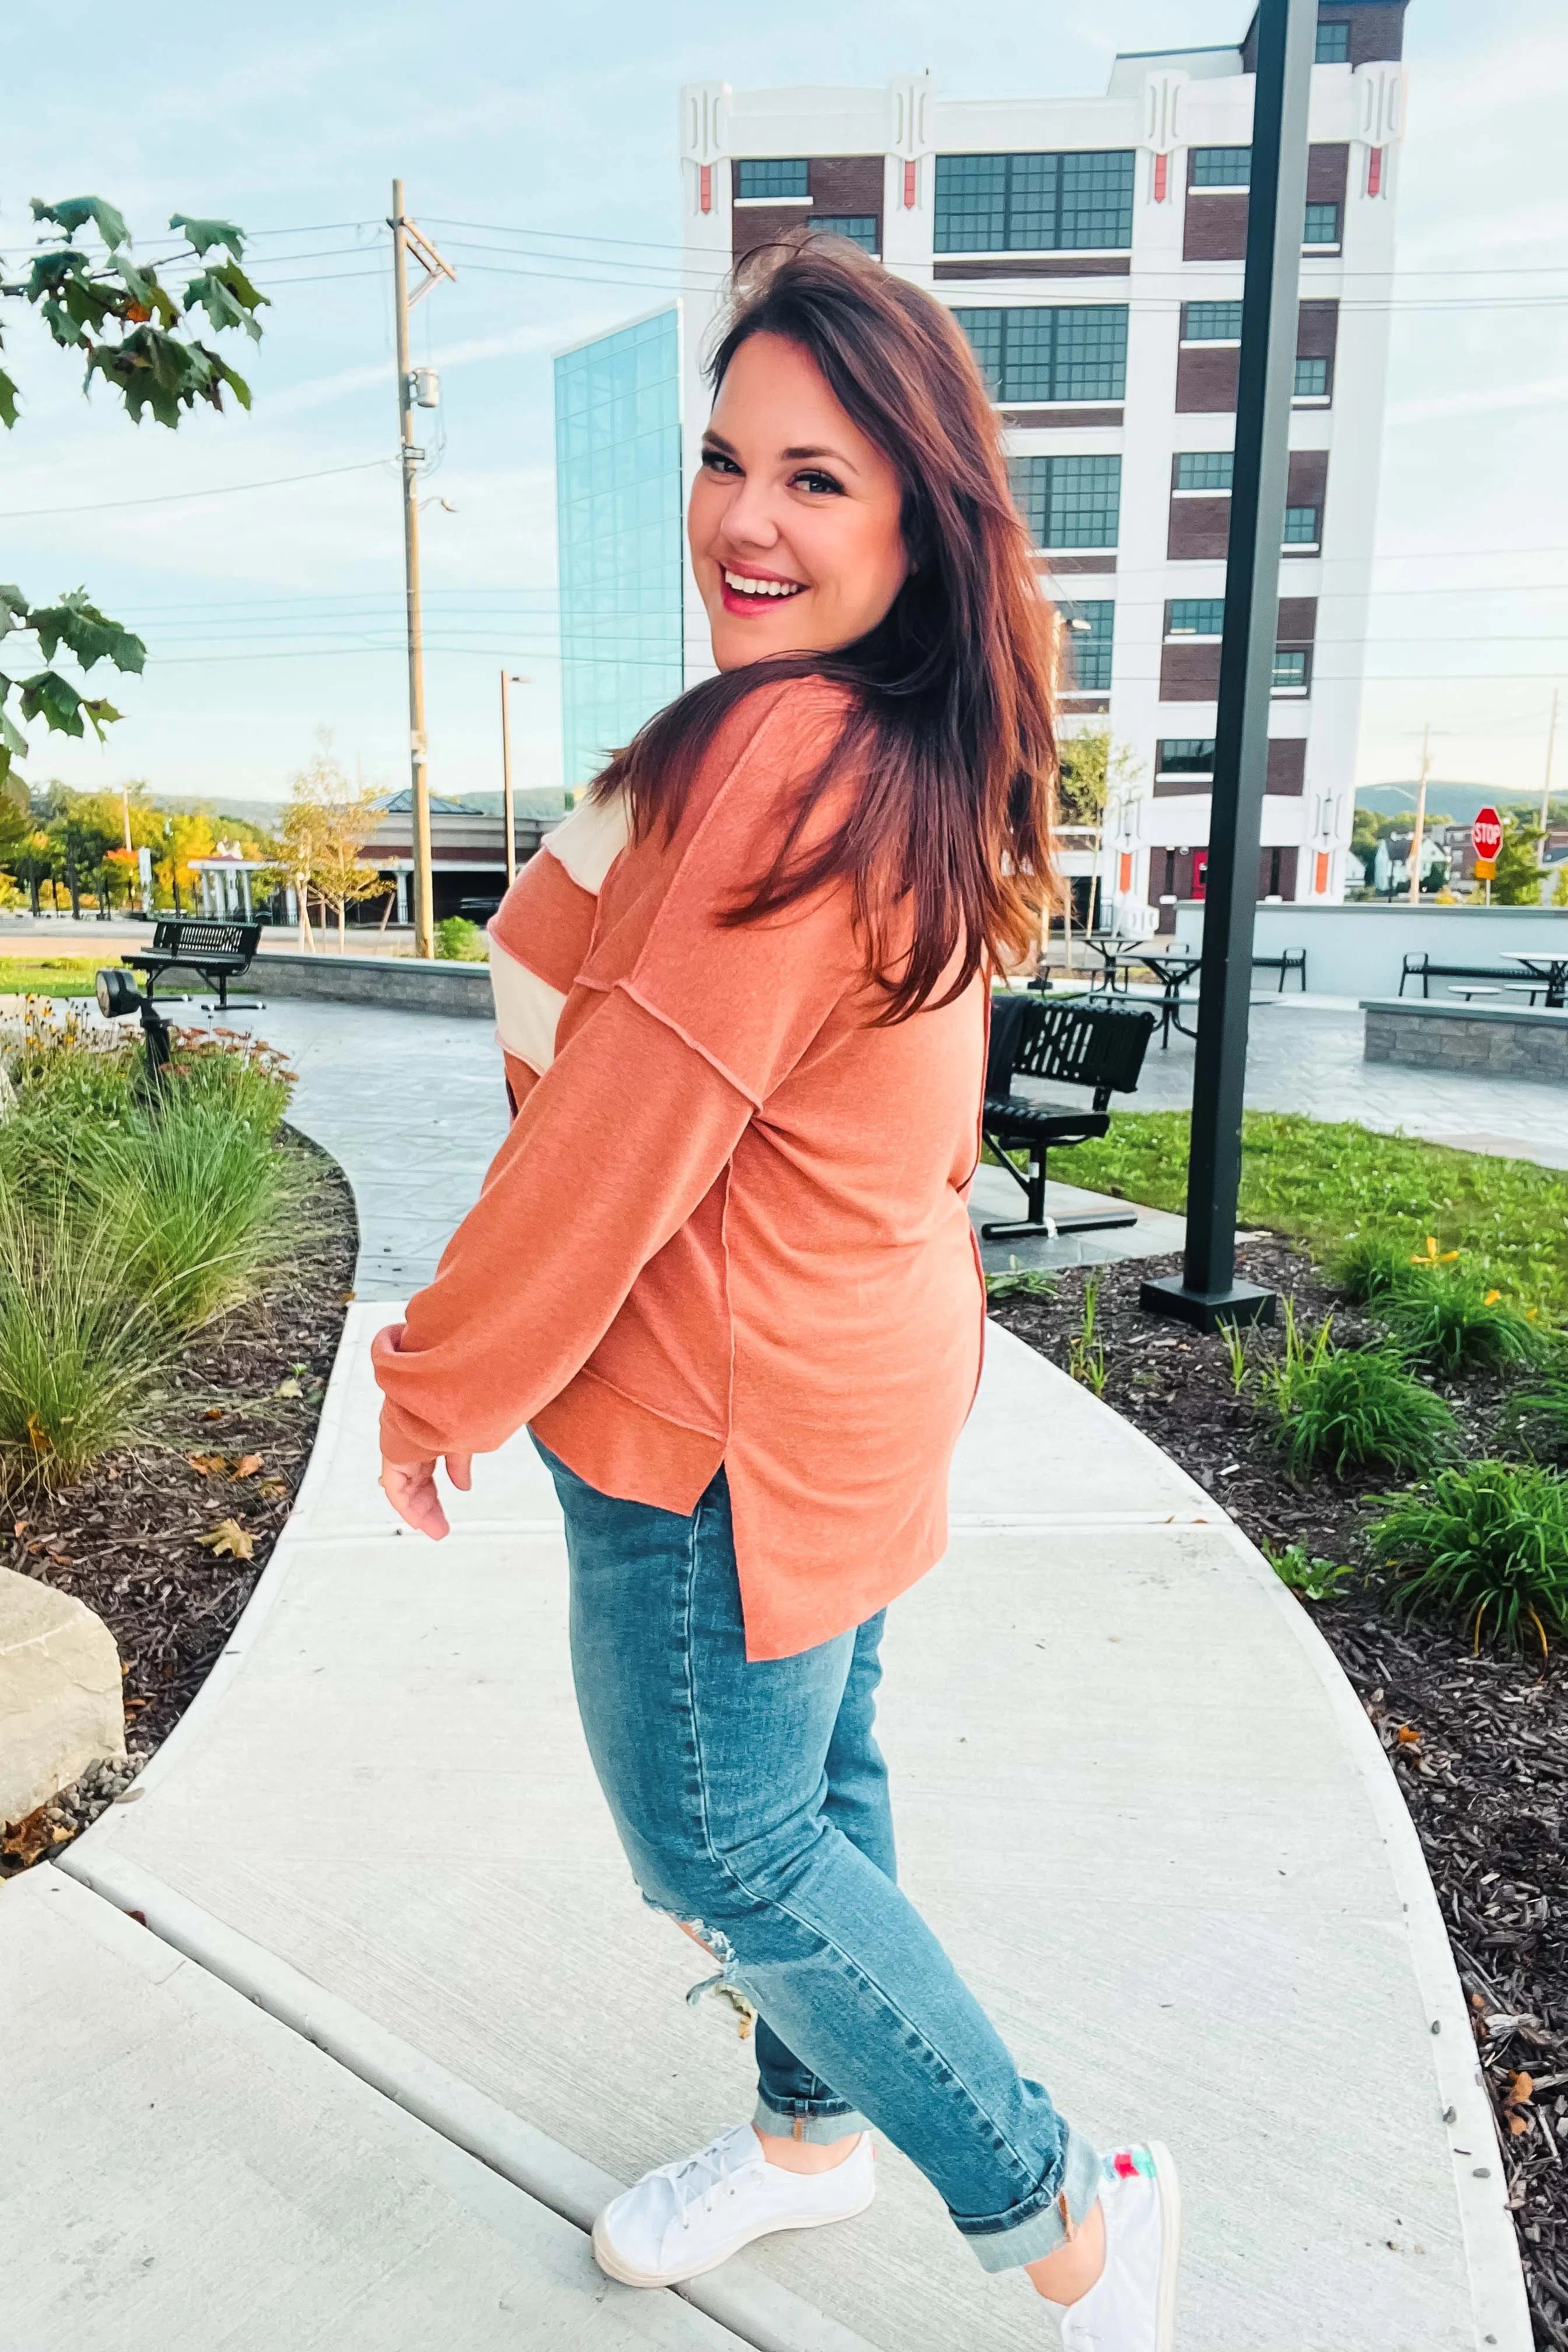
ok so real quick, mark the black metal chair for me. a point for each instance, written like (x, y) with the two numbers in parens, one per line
(1077, 1045)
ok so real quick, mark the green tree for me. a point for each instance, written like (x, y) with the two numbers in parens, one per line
(1516, 882)
(1560, 888)
(321, 836)
(94, 298)
(1094, 771)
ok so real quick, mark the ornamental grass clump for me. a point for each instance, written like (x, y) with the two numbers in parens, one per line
(76, 1352)
(1484, 1545)
(1342, 1409)
(1440, 1312)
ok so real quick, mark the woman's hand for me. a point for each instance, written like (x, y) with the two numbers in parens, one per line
(410, 1489)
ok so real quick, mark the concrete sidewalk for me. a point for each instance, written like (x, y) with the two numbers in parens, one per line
(1135, 1797)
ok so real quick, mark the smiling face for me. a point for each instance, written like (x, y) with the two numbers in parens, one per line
(794, 517)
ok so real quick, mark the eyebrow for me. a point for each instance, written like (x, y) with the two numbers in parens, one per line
(795, 456)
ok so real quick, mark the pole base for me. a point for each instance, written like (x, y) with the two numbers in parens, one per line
(1206, 1310)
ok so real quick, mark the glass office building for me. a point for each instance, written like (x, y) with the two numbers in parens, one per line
(619, 513)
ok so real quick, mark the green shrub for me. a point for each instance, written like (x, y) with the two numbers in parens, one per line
(1540, 1420)
(197, 1196)
(459, 941)
(75, 1353)
(1308, 1577)
(1368, 1266)
(1352, 1408)
(1021, 1282)
(1449, 1316)
(1485, 1545)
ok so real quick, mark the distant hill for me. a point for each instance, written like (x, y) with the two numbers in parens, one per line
(1460, 802)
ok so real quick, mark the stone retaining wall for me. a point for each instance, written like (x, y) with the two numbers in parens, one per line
(395, 980)
(1503, 1041)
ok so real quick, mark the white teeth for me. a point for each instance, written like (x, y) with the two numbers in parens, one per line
(746, 587)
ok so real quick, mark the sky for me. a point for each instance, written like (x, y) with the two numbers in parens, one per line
(537, 146)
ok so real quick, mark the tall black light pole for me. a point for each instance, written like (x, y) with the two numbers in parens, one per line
(1206, 1292)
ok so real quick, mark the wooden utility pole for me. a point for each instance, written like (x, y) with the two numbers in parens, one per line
(1419, 831)
(407, 239)
(509, 816)
(1546, 780)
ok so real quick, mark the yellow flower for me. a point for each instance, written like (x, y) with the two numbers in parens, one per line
(1491, 1298)
(1431, 1255)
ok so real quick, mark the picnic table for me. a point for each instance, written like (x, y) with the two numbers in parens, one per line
(1173, 972)
(1550, 969)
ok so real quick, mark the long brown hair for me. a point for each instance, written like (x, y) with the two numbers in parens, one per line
(947, 837)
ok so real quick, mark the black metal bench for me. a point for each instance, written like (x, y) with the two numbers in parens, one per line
(1065, 1044)
(1287, 960)
(1419, 965)
(220, 951)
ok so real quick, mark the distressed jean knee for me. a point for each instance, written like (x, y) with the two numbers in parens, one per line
(728, 1987)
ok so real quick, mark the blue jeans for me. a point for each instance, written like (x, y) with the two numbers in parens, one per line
(752, 1800)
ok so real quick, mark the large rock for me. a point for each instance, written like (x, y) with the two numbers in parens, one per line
(61, 1704)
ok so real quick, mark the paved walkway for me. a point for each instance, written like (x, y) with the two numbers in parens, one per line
(1136, 1797)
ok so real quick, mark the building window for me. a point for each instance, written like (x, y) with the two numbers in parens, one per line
(758, 182)
(1301, 526)
(1322, 224)
(860, 228)
(1333, 45)
(619, 520)
(1211, 323)
(1070, 501)
(1060, 354)
(1290, 670)
(1204, 469)
(1090, 647)
(1190, 756)
(1222, 167)
(1311, 380)
(1033, 204)
(1195, 616)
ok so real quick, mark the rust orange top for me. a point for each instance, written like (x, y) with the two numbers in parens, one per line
(729, 1224)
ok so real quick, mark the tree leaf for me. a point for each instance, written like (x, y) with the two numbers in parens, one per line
(102, 714)
(207, 1466)
(203, 234)
(86, 633)
(12, 609)
(7, 401)
(248, 1466)
(229, 1540)
(75, 213)
(53, 698)
(11, 736)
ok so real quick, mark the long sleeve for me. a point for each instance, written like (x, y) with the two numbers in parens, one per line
(610, 1153)
(657, 1071)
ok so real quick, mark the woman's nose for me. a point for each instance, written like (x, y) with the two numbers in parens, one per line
(749, 518)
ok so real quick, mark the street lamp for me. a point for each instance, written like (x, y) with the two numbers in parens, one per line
(1207, 1293)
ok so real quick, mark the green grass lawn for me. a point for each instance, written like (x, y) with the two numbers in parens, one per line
(50, 975)
(1318, 1184)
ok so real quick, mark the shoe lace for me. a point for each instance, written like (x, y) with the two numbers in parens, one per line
(696, 2181)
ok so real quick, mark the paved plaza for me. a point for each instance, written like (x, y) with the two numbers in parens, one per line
(396, 2022)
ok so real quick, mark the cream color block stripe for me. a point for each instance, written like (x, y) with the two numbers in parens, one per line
(526, 1009)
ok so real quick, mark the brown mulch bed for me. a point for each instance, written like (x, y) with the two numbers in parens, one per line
(233, 1428)
(1479, 1743)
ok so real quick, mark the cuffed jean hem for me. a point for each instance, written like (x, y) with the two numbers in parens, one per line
(817, 2124)
(1038, 2227)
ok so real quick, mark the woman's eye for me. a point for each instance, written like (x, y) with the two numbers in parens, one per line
(716, 462)
(814, 480)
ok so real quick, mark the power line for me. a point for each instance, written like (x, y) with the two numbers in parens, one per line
(171, 498)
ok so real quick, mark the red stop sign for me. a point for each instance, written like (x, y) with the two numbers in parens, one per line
(1485, 833)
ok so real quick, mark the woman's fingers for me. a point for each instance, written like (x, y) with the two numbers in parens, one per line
(410, 1489)
(460, 1470)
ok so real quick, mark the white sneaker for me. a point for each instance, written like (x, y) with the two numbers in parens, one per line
(690, 2216)
(1132, 2306)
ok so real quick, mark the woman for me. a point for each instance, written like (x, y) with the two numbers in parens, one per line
(723, 1266)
